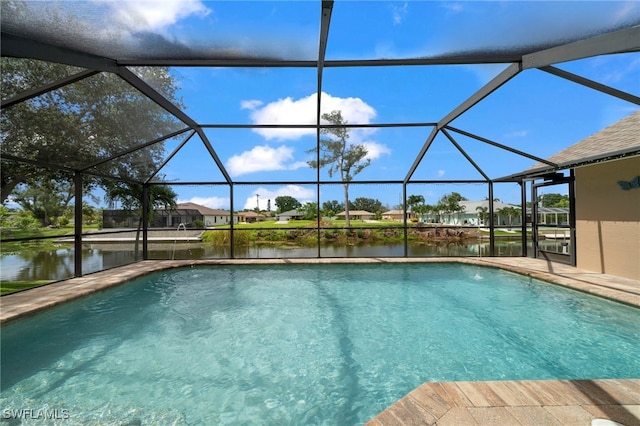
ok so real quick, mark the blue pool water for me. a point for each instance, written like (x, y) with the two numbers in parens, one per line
(312, 344)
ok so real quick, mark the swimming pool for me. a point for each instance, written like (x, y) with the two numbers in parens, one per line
(303, 344)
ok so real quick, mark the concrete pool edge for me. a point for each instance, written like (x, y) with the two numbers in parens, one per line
(523, 403)
(32, 301)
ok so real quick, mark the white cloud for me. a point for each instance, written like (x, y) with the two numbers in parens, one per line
(300, 193)
(303, 111)
(626, 11)
(399, 13)
(616, 74)
(375, 149)
(263, 158)
(441, 173)
(250, 104)
(211, 202)
(354, 110)
(517, 134)
(453, 6)
(153, 15)
(300, 111)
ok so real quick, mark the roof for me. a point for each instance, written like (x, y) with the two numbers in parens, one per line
(391, 212)
(618, 140)
(205, 211)
(356, 213)
(291, 213)
(471, 206)
(551, 210)
(249, 214)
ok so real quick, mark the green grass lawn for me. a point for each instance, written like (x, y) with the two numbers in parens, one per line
(44, 232)
(7, 287)
(314, 224)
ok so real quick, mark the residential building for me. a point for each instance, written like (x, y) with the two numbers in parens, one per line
(396, 214)
(184, 213)
(356, 215)
(291, 214)
(606, 168)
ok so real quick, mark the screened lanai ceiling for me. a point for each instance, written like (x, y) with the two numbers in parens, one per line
(425, 86)
(141, 32)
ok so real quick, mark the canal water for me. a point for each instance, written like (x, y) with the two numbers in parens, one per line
(58, 264)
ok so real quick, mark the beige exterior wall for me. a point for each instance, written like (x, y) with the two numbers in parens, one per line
(608, 219)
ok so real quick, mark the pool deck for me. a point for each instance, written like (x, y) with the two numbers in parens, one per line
(552, 402)
(535, 403)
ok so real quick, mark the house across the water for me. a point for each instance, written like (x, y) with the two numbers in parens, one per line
(192, 215)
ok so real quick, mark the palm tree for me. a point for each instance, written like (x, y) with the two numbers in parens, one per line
(483, 214)
(131, 196)
(413, 201)
(513, 212)
(509, 212)
(459, 208)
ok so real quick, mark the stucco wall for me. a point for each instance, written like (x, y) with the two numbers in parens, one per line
(608, 219)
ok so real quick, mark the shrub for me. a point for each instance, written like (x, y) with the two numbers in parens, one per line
(24, 220)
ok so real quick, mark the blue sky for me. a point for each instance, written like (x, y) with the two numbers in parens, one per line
(535, 112)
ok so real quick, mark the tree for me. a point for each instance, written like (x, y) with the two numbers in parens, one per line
(340, 156)
(483, 214)
(450, 203)
(554, 200)
(131, 197)
(370, 205)
(331, 208)
(510, 212)
(46, 200)
(284, 203)
(89, 213)
(310, 210)
(414, 201)
(80, 124)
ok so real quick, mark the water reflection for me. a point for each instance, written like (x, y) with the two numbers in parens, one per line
(58, 264)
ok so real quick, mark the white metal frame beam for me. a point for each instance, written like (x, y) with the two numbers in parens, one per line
(485, 91)
(38, 91)
(627, 40)
(21, 47)
(592, 84)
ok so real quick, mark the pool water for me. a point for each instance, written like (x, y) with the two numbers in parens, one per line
(303, 344)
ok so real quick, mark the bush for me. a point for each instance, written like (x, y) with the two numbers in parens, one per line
(198, 223)
(24, 220)
(223, 237)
